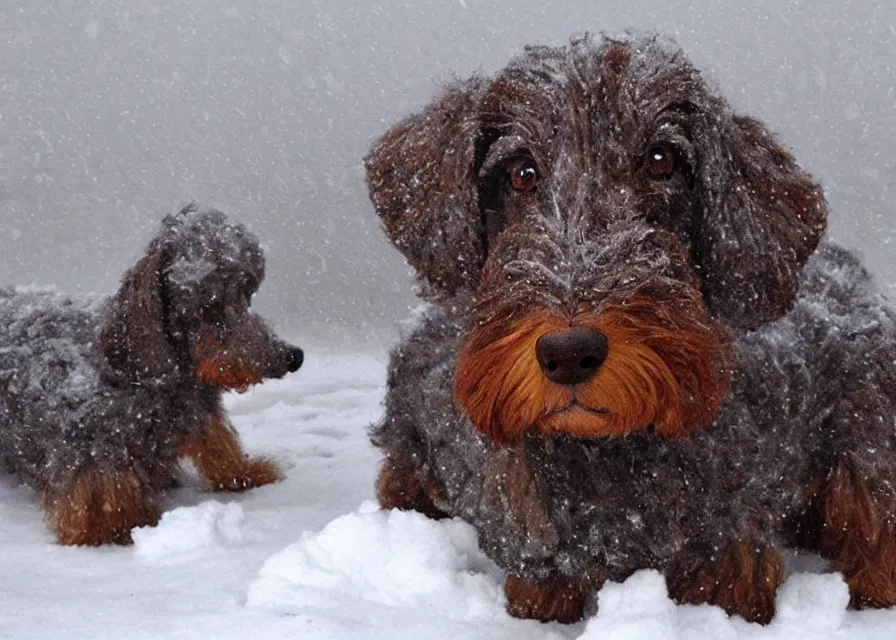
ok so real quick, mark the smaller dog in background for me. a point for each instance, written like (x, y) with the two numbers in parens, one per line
(99, 398)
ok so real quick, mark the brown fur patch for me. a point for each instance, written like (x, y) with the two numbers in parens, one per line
(549, 602)
(219, 457)
(226, 374)
(849, 528)
(616, 61)
(672, 377)
(398, 486)
(100, 507)
(743, 582)
(215, 368)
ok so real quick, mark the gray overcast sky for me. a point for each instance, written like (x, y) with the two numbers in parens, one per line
(114, 112)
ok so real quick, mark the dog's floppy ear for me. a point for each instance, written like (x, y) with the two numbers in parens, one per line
(762, 218)
(135, 337)
(422, 180)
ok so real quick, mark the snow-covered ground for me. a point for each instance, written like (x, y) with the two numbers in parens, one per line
(312, 557)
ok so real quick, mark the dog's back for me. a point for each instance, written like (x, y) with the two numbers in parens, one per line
(47, 371)
(824, 374)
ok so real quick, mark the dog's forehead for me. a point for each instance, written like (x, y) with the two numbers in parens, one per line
(613, 87)
(206, 243)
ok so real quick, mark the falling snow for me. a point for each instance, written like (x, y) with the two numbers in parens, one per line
(116, 112)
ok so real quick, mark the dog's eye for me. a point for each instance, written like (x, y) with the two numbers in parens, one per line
(662, 161)
(523, 174)
(212, 314)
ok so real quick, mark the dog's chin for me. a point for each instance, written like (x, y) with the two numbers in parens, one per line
(235, 387)
(581, 421)
(227, 375)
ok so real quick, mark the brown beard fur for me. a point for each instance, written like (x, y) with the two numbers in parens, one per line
(673, 378)
(225, 374)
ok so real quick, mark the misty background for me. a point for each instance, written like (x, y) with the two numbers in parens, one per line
(115, 112)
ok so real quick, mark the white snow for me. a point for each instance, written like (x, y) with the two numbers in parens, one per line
(313, 557)
(186, 534)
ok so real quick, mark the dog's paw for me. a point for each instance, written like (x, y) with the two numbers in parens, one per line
(256, 472)
(743, 581)
(548, 602)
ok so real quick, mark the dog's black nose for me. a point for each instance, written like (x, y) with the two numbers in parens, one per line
(295, 359)
(573, 356)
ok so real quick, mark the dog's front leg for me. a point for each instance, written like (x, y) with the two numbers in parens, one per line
(510, 488)
(402, 485)
(218, 456)
(741, 580)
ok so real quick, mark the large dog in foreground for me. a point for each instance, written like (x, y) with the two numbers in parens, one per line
(637, 353)
(99, 398)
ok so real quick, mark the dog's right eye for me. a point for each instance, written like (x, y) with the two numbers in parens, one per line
(213, 312)
(662, 161)
(523, 175)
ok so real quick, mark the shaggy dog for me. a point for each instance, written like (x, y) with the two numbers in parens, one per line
(99, 398)
(637, 354)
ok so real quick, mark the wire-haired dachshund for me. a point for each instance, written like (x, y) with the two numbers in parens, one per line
(638, 352)
(100, 397)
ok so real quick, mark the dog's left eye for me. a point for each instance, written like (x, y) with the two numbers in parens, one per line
(213, 312)
(523, 174)
(662, 161)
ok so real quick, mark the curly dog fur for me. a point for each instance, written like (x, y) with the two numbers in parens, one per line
(638, 352)
(99, 397)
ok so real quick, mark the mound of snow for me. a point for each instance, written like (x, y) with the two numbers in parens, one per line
(384, 574)
(813, 602)
(377, 574)
(638, 608)
(392, 558)
(808, 607)
(186, 533)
